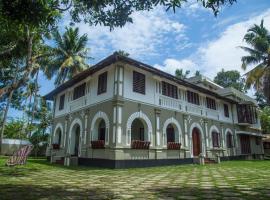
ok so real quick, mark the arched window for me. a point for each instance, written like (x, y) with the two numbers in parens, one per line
(229, 140)
(170, 133)
(216, 139)
(138, 130)
(101, 130)
(58, 136)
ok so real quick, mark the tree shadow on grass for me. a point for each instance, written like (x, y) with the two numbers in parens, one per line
(16, 171)
(28, 192)
(49, 164)
(206, 193)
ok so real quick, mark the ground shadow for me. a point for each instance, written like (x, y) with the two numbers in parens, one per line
(196, 192)
(11, 192)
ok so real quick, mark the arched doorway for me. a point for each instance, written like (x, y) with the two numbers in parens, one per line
(75, 140)
(196, 141)
(101, 130)
(58, 137)
(138, 130)
(170, 133)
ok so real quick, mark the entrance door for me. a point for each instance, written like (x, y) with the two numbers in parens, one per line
(77, 140)
(102, 133)
(170, 134)
(245, 144)
(196, 142)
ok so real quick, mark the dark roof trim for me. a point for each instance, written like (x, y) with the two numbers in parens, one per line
(116, 57)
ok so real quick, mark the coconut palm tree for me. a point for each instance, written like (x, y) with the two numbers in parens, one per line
(258, 39)
(70, 55)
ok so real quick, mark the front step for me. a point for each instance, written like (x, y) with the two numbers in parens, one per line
(209, 161)
(60, 161)
(266, 157)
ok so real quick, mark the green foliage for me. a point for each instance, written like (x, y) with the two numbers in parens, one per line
(111, 13)
(39, 141)
(15, 129)
(114, 13)
(33, 13)
(122, 53)
(69, 55)
(179, 73)
(260, 98)
(230, 78)
(7, 77)
(197, 73)
(265, 120)
(258, 39)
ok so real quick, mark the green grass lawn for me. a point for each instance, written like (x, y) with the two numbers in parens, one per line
(38, 179)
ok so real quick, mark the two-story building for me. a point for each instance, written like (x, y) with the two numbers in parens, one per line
(124, 113)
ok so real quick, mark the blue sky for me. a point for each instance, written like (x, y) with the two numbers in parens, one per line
(192, 38)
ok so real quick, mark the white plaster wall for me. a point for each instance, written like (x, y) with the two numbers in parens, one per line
(150, 85)
(91, 96)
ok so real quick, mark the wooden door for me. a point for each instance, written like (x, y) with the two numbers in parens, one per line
(245, 144)
(196, 142)
(77, 141)
(170, 134)
(101, 134)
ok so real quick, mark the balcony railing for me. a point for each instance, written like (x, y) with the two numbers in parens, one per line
(180, 105)
(246, 114)
(98, 144)
(171, 103)
(213, 114)
(173, 146)
(78, 103)
(138, 144)
(195, 109)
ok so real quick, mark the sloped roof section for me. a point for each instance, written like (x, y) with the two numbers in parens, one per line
(236, 95)
(115, 57)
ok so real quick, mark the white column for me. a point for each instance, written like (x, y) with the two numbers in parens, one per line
(119, 124)
(158, 131)
(186, 133)
(85, 128)
(223, 136)
(65, 134)
(207, 135)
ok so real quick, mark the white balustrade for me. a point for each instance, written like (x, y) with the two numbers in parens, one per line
(77, 104)
(170, 103)
(213, 114)
(194, 109)
(225, 119)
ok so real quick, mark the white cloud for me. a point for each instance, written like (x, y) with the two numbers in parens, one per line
(170, 65)
(193, 8)
(222, 52)
(144, 37)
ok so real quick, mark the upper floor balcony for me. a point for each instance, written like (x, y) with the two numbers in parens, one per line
(189, 108)
(247, 114)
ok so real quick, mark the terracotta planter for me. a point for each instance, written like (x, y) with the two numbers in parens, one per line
(138, 144)
(98, 144)
(56, 146)
(173, 146)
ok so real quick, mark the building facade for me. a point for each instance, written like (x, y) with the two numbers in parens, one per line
(124, 113)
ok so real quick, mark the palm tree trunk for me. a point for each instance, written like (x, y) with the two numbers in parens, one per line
(28, 67)
(35, 99)
(28, 116)
(4, 120)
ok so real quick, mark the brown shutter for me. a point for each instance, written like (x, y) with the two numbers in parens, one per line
(102, 83)
(138, 82)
